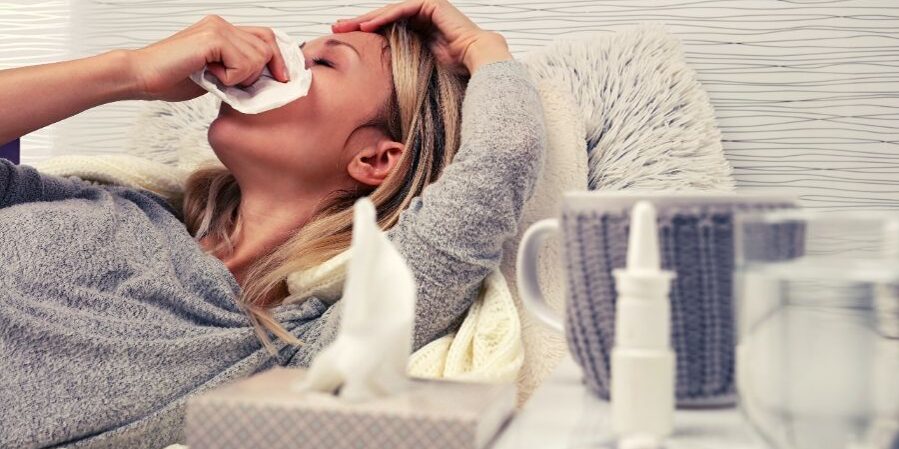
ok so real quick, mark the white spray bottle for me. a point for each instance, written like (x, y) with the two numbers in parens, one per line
(643, 363)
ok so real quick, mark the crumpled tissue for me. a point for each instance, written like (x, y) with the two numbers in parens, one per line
(266, 93)
(368, 357)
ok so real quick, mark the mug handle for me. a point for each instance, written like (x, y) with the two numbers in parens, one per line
(526, 264)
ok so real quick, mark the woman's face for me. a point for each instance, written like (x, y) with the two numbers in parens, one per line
(310, 143)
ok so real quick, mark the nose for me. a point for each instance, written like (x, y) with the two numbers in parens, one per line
(306, 59)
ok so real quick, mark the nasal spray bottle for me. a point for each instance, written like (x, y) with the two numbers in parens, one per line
(643, 363)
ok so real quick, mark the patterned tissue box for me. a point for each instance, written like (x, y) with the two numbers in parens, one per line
(262, 412)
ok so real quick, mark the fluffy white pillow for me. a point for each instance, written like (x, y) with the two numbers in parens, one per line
(649, 123)
(175, 133)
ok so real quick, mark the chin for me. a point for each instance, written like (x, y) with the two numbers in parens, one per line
(221, 135)
(235, 141)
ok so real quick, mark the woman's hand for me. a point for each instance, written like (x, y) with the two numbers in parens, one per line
(455, 40)
(236, 55)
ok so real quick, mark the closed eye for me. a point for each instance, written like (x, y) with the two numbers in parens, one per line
(323, 62)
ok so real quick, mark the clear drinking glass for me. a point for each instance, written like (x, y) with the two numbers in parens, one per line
(817, 309)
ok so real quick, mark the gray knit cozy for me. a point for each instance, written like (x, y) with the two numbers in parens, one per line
(698, 244)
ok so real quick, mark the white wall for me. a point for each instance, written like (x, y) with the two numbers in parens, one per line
(807, 92)
(33, 33)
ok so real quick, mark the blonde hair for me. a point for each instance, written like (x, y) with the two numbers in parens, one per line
(424, 113)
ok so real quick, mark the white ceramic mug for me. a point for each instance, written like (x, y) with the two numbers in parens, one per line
(696, 241)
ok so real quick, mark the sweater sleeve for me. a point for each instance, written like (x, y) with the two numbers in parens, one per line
(21, 184)
(452, 234)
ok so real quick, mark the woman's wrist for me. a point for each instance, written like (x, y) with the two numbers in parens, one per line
(47, 93)
(121, 82)
(489, 47)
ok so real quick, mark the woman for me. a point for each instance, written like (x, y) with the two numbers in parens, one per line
(115, 306)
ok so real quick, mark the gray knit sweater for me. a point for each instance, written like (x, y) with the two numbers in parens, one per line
(111, 315)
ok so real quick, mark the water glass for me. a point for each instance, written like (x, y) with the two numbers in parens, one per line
(817, 310)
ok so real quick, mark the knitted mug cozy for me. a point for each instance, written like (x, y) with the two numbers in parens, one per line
(697, 243)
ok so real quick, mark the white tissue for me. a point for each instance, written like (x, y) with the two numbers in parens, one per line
(267, 92)
(368, 358)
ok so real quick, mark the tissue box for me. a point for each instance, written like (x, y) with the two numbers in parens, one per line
(262, 412)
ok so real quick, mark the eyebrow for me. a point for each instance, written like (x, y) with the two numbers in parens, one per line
(335, 42)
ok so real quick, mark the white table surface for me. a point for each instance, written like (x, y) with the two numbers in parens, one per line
(562, 413)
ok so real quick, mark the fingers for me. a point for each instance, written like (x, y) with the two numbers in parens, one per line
(277, 65)
(259, 55)
(243, 53)
(381, 16)
(236, 60)
(402, 10)
(341, 27)
(243, 69)
(353, 24)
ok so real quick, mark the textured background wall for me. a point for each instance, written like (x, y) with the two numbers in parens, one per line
(34, 33)
(806, 91)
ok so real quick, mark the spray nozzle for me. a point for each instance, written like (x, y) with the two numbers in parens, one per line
(643, 238)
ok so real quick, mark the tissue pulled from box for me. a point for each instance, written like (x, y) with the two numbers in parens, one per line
(368, 357)
(266, 93)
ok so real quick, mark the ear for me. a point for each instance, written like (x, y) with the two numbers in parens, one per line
(374, 163)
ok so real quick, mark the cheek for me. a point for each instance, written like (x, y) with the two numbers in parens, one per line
(302, 138)
(332, 97)
(270, 129)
